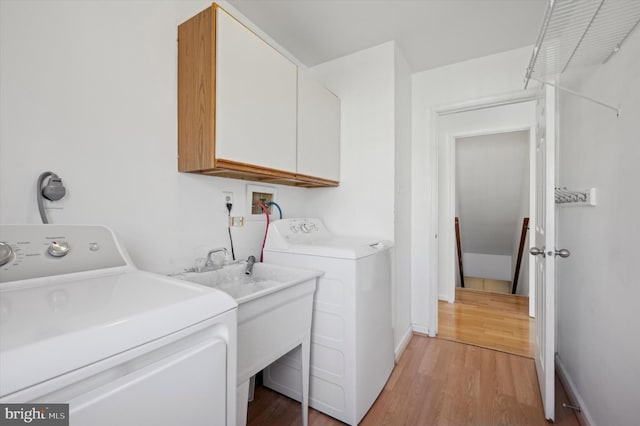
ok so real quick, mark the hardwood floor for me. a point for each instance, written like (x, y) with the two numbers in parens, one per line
(490, 320)
(439, 382)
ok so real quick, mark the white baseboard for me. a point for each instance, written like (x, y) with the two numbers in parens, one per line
(420, 328)
(573, 394)
(403, 343)
(444, 297)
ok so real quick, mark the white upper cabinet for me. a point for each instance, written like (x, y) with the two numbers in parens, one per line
(241, 113)
(318, 130)
(255, 99)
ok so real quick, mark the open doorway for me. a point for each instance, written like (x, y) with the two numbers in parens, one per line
(484, 160)
(492, 212)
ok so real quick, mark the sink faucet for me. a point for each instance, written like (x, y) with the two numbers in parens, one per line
(248, 270)
(210, 265)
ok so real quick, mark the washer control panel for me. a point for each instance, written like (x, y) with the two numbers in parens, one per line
(35, 251)
(301, 230)
(303, 226)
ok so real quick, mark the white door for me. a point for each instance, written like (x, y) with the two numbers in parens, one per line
(544, 250)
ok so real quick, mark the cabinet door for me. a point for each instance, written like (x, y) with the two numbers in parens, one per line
(255, 91)
(318, 130)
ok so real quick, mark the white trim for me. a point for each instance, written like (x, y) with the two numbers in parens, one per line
(531, 232)
(573, 394)
(488, 102)
(432, 284)
(445, 298)
(422, 329)
(406, 338)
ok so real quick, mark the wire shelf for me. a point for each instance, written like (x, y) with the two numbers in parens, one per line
(580, 33)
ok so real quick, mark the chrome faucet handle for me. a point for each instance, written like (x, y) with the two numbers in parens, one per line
(209, 262)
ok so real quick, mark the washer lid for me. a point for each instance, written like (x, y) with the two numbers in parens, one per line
(50, 329)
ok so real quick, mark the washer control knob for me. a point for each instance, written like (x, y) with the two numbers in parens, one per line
(6, 253)
(59, 248)
(304, 227)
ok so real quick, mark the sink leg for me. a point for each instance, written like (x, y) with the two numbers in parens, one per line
(242, 400)
(252, 387)
(305, 353)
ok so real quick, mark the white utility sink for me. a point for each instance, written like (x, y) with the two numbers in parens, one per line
(275, 304)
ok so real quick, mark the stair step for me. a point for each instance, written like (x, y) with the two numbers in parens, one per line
(505, 302)
(488, 284)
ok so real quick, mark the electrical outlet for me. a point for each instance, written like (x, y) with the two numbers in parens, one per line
(228, 197)
(236, 221)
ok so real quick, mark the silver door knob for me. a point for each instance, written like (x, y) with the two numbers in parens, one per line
(563, 253)
(535, 251)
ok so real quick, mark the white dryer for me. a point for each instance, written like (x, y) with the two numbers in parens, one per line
(351, 337)
(79, 324)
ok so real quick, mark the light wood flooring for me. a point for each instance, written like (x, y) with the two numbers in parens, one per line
(490, 320)
(439, 382)
(487, 284)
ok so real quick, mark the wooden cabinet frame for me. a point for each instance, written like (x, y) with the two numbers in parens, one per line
(197, 110)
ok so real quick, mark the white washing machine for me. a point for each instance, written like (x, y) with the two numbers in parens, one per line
(351, 336)
(79, 324)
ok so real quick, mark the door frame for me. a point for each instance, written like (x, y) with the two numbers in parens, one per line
(436, 114)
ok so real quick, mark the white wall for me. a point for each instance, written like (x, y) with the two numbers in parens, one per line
(89, 92)
(469, 80)
(482, 265)
(491, 183)
(374, 87)
(363, 203)
(402, 210)
(598, 288)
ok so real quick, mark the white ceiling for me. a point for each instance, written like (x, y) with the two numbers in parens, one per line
(430, 33)
(492, 178)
